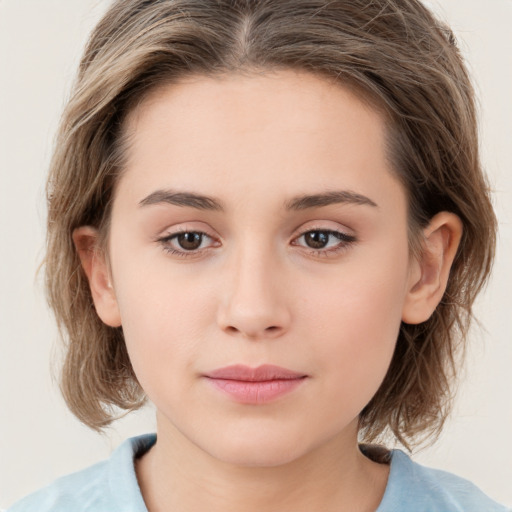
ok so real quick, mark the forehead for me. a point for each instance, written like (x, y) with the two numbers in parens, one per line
(286, 130)
(248, 101)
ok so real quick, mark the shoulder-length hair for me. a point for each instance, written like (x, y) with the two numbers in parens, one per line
(393, 53)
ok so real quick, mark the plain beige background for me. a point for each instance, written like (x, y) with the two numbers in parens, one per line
(40, 44)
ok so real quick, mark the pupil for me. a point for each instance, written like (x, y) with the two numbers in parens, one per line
(190, 241)
(317, 239)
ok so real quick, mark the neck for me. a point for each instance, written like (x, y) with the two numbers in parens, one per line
(178, 475)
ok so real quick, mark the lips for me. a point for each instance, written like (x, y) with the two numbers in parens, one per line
(260, 374)
(255, 385)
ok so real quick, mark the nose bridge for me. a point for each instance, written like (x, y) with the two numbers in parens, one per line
(254, 304)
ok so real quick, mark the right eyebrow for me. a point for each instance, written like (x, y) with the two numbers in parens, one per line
(189, 199)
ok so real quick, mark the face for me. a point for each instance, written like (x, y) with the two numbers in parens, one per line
(296, 257)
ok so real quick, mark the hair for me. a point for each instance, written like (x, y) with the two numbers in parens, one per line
(392, 53)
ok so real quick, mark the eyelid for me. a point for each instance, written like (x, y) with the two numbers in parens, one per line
(184, 228)
(328, 226)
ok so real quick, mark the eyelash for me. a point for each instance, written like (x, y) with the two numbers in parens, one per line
(345, 239)
(345, 242)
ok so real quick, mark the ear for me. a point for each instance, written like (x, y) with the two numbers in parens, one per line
(430, 271)
(97, 271)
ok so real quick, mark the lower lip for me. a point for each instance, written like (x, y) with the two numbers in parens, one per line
(260, 392)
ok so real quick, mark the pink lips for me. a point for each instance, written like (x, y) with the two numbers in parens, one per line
(255, 385)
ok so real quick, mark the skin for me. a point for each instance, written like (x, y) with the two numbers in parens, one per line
(255, 291)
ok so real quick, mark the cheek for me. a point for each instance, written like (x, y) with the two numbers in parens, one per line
(357, 321)
(163, 321)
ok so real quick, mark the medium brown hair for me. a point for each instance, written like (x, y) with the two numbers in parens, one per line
(394, 53)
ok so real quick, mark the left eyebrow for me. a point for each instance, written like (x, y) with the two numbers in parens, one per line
(327, 198)
(298, 203)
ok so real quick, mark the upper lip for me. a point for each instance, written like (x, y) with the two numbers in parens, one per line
(262, 373)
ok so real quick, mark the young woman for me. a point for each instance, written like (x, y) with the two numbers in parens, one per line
(268, 218)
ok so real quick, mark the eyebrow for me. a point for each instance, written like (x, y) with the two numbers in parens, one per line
(298, 203)
(306, 201)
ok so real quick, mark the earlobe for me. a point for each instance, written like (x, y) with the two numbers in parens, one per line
(97, 271)
(430, 272)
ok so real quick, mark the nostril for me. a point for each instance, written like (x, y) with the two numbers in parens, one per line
(271, 330)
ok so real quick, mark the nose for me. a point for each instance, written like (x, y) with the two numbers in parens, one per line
(253, 303)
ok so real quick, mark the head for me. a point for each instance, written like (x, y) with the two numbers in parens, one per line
(393, 59)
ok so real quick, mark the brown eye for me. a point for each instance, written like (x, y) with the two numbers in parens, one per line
(317, 239)
(192, 244)
(189, 241)
(325, 242)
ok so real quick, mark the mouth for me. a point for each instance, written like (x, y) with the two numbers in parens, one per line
(255, 386)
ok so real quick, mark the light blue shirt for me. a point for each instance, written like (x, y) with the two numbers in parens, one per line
(111, 486)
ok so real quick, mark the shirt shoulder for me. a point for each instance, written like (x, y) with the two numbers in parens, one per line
(104, 487)
(412, 486)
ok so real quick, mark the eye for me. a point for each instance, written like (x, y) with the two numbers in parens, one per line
(185, 243)
(326, 242)
(189, 241)
(321, 242)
